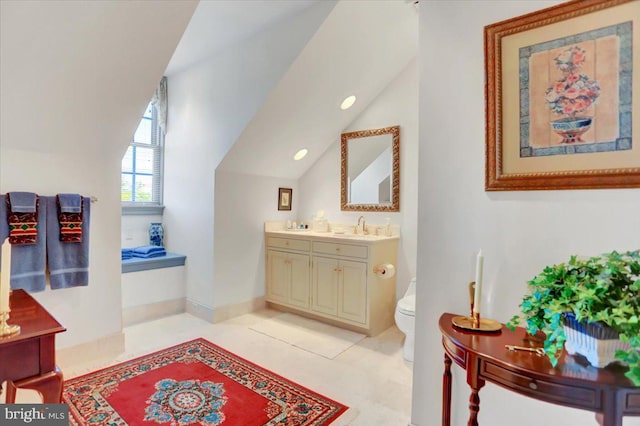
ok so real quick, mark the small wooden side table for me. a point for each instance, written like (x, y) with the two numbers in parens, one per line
(28, 358)
(572, 383)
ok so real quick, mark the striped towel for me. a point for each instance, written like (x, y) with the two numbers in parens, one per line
(22, 215)
(70, 213)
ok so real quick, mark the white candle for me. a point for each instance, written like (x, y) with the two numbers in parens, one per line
(5, 276)
(477, 297)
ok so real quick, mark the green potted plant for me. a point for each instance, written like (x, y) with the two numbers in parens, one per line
(603, 291)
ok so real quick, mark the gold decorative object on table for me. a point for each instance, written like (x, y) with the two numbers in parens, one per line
(475, 322)
(485, 324)
(7, 329)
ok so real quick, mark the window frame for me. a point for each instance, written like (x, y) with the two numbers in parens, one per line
(157, 144)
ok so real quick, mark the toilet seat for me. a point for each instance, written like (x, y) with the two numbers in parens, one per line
(407, 305)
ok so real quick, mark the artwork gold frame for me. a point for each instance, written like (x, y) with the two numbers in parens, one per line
(387, 140)
(285, 197)
(562, 98)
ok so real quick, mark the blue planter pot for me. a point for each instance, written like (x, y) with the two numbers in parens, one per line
(596, 341)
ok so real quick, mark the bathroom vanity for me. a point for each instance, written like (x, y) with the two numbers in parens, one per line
(332, 277)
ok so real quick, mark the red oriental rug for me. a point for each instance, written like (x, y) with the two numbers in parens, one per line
(193, 383)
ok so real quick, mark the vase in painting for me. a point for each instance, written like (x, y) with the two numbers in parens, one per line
(571, 128)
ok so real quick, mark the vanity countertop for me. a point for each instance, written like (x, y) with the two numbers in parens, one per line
(330, 236)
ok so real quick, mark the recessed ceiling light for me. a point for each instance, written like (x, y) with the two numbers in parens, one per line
(300, 154)
(348, 102)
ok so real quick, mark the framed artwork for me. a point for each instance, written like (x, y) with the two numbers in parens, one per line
(562, 98)
(284, 198)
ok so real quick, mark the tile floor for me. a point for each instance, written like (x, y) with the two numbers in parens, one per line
(370, 377)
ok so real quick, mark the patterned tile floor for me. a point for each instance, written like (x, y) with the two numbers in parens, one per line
(370, 377)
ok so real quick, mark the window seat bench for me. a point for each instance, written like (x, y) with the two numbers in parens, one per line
(136, 264)
(149, 291)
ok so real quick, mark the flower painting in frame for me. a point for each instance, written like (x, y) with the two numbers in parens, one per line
(563, 98)
(284, 198)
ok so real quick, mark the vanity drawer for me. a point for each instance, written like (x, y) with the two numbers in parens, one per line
(568, 395)
(348, 250)
(289, 243)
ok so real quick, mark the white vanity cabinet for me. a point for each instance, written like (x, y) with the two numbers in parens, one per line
(288, 272)
(340, 287)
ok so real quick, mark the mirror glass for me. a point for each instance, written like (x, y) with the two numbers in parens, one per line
(370, 169)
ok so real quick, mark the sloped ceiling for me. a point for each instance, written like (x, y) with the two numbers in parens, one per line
(217, 25)
(359, 49)
(75, 76)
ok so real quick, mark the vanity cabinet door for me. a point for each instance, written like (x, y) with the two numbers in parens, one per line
(277, 276)
(352, 296)
(288, 278)
(324, 285)
(299, 281)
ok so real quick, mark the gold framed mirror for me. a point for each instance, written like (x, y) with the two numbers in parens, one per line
(370, 170)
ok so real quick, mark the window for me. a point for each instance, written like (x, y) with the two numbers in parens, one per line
(141, 179)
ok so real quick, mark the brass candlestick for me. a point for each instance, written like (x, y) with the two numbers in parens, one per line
(473, 321)
(472, 296)
(7, 329)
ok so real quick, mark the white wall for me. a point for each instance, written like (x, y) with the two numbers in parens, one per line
(243, 204)
(320, 185)
(75, 78)
(135, 230)
(519, 232)
(210, 104)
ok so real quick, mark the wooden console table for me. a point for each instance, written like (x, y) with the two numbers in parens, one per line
(27, 359)
(572, 383)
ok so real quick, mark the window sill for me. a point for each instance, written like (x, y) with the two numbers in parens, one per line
(137, 264)
(130, 210)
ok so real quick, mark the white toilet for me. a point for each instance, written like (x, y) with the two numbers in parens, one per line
(406, 319)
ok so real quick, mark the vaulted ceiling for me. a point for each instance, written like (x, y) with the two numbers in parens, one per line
(359, 49)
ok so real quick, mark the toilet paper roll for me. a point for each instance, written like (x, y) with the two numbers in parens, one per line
(385, 270)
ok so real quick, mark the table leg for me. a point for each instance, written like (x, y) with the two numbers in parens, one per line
(49, 385)
(474, 407)
(612, 413)
(475, 383)
(446, 392)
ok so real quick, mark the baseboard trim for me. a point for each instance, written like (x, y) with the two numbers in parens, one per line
(223, 313)
(108, 346)
(201, 311)
(152, 311)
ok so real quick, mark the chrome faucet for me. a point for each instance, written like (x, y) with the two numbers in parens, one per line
(363, 228)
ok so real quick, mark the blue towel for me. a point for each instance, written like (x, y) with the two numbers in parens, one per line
(70, 203)
(68, 263)
(144, 250)
(127, 253)
(28, 262)
(150, 255)
(23, 202)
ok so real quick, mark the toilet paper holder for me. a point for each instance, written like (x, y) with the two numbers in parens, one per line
(384, 270)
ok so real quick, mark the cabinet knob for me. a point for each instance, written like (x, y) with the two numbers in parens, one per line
(533, 385)
(286, 243)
